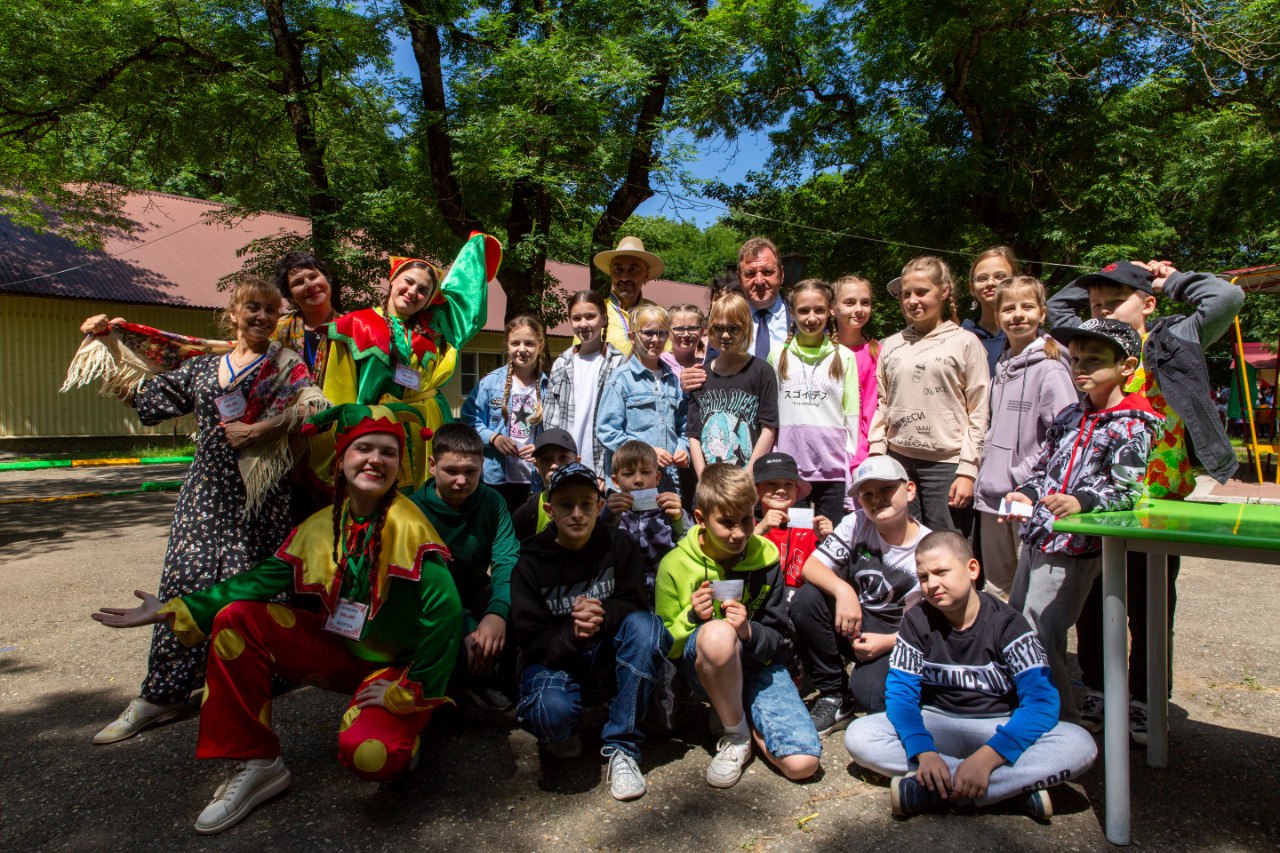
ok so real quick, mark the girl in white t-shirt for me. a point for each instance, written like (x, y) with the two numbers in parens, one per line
(579, 376)
(506, 409)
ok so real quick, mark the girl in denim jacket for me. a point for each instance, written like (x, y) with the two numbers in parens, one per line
(643, 400)
(505, 407)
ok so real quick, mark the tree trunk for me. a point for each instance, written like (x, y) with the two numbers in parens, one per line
(322, 204)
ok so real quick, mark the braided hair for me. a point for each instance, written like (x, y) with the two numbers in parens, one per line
(380, 519)
(815, 285)
(527, 321)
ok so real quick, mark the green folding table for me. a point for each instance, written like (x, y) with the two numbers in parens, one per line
(1241, 532)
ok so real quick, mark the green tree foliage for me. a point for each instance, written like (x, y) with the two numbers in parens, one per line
(1077, 133)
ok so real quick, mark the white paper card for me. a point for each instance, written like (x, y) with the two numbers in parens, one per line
(348, 619)
(727, 590)
(407, 377)
(642, 499)
(1014, 508)
(231, 407)
(800, 517)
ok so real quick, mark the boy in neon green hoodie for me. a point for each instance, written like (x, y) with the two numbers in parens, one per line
(721, 594)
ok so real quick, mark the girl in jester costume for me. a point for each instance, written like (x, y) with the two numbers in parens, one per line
(407, 349)
(388, 632)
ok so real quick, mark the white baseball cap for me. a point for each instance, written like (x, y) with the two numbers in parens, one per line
(884, 468)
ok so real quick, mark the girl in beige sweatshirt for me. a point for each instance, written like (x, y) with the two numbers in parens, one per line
(932, 410)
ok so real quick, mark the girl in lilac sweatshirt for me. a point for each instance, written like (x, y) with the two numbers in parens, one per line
(1030, 386)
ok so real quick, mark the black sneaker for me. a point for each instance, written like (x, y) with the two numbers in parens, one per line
(831, 713)
(1091, 711)
(1138, 721)
(909, 797)
(1038, 805)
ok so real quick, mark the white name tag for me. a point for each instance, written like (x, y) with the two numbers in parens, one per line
(348, 619)
(407, 377)
(231, 407)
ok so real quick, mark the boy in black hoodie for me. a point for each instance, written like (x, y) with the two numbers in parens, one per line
(581, 618)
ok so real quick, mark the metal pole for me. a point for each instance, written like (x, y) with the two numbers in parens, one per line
(1158, 660)
(1115, 651)
(1245, 393)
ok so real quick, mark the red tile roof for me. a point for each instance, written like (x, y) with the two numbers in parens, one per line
(174, 255)
(1258, 356)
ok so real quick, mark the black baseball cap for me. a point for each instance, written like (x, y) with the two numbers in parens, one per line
(779, 466)
(555, 438)
(1124, 273)
(1120, 335)
(574, 472)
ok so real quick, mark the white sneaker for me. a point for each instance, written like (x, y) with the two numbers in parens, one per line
(732, 756)
(251, 783)
(626, 782)
(137, 716)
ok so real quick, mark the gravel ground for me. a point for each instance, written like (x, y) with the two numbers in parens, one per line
(480, 785)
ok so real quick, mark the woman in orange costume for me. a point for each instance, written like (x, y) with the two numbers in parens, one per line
(406, 350)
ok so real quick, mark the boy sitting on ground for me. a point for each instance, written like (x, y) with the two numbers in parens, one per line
(654, 528)
(733, 644)
(552, 449)
(580, 616)
(972, 716)
(858, 584)
(473, 522)
(778, 486)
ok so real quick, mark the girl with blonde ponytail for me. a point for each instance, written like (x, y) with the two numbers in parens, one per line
(932, 414)
(818, 399)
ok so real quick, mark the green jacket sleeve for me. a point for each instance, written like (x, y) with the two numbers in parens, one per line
(674, 606)
(440, 623)
(193, 614)
(503, 557)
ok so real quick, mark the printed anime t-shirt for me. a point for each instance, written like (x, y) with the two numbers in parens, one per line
(884, 575)
(728, 412)
(968, 673)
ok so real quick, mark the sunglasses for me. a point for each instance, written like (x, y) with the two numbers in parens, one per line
(656, 334)
(723, 329)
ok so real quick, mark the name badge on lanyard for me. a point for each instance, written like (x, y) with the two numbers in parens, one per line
(407, 377)
(231, 406)
(347, 619)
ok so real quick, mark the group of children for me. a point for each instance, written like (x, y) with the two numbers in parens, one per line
(827, 527)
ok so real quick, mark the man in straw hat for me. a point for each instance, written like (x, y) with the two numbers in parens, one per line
(629, 266)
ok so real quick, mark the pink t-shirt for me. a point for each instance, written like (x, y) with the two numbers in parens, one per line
(867, 388)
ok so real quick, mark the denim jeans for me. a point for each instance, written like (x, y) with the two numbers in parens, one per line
(933, 484)
(551, 700)
(772, 702)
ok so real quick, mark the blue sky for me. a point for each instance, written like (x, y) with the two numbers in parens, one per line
(728, 162)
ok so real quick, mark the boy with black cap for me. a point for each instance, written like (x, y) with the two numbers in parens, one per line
(552, 449)
(1173, 376)
(580, 616)
(1094, 460)
(779, 487)
(858, 584)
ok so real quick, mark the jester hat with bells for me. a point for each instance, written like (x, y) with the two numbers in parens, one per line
(352, 420)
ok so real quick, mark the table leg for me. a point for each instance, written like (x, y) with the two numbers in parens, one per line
(1157, 660)
(1115, 651)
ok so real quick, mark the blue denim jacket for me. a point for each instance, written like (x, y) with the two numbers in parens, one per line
(483, 410)
(637, 404)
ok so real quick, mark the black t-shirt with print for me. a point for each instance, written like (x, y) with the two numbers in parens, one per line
(728, 412)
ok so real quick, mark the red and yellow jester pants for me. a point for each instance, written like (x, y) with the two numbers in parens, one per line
(250, 642)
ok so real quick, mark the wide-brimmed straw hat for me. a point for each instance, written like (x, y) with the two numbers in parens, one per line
(634, 247)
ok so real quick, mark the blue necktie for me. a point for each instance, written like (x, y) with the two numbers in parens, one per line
(762, 334)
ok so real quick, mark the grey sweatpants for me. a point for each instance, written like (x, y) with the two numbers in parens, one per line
(1064, 752)
(1050, 590)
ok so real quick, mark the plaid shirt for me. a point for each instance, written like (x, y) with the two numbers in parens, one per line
(558, 410)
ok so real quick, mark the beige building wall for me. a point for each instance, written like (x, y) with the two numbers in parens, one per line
(38, 337)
